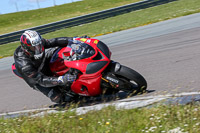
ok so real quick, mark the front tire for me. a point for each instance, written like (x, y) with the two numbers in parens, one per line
(132, 81)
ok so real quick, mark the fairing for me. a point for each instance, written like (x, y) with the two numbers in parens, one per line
(90, 64)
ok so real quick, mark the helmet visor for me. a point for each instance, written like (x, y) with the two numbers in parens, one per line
(37, 50)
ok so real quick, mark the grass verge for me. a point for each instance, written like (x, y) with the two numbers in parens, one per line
(26, 19)
(159, 119)
(121, 22)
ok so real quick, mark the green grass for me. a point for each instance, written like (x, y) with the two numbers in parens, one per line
(121, 22)
(22, 20)
(159, 119)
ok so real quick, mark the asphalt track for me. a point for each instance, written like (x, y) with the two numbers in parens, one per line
(166, 54)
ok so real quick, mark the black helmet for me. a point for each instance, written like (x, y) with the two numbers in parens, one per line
(31, 42)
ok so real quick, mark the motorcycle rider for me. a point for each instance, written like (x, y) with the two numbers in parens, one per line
(31, 61)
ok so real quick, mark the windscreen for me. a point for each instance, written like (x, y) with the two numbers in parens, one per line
(81, 50)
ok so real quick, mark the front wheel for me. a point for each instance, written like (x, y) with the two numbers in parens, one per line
(130, 80)
(125, 79)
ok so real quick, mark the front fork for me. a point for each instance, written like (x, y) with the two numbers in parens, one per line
(109, 80)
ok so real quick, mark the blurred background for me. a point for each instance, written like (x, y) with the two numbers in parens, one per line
(10, 6)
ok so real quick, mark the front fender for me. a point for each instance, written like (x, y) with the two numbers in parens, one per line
(114, 67)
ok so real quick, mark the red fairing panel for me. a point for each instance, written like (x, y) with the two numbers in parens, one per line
(88, 83)
(87, 87)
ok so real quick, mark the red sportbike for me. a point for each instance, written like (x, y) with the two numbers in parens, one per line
(97, 74)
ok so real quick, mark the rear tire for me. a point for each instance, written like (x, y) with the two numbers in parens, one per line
(133, 82)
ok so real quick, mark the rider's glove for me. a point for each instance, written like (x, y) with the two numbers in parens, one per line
(85, 36)
(74, 39)
(67, 78)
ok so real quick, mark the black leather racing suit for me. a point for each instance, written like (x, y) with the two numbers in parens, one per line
(37, 73)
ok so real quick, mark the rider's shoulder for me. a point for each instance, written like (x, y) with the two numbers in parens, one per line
(18, 52)
(20, 55)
